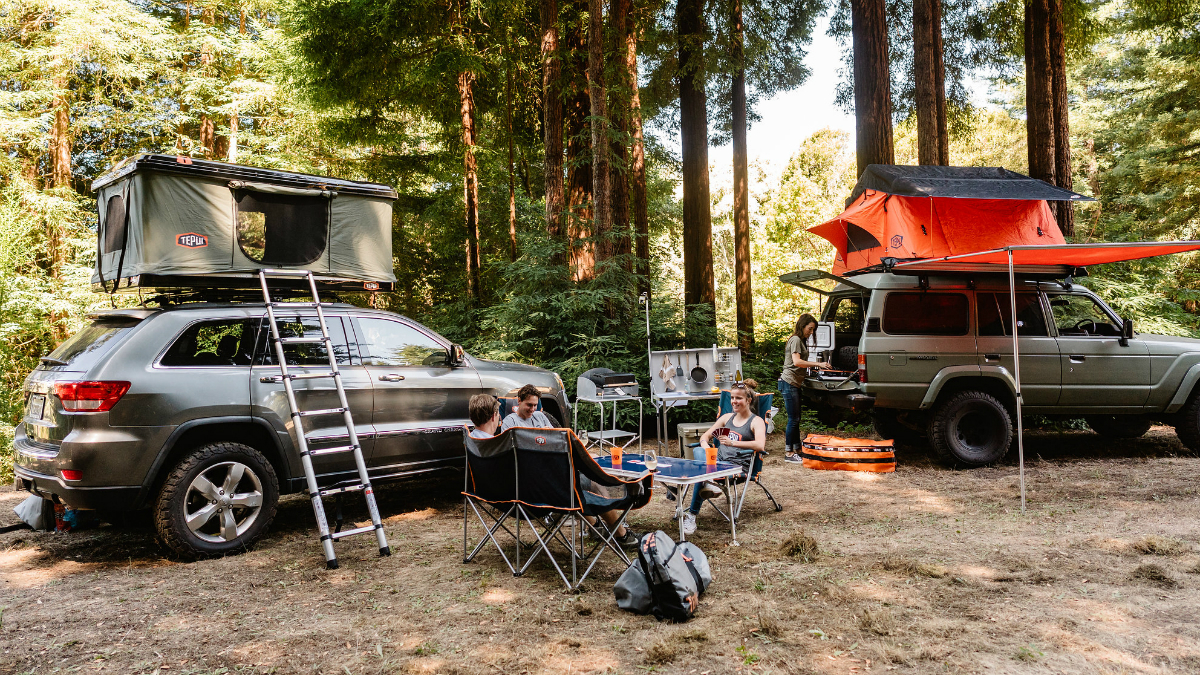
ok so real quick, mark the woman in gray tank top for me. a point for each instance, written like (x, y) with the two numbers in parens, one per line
(740, 433)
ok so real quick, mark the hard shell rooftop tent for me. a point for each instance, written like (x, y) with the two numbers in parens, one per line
(175, 222)
(911, 212)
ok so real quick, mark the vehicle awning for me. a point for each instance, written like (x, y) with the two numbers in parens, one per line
(1068, 255)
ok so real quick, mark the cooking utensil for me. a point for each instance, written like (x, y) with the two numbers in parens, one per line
(699, 373)
(679, 366)
(666, 374)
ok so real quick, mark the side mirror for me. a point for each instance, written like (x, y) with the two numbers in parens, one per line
(1126, 332)
(457, 356)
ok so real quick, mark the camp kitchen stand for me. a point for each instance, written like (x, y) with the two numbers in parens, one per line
(614, 392)
(194, 229)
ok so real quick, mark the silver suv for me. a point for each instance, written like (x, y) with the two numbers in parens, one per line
(931, 357)
(154, 407)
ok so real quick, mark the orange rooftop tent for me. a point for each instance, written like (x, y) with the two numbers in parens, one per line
(919, 212)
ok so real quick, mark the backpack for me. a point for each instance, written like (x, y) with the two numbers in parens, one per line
(666, 580)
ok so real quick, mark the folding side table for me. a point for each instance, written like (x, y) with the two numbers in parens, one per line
(612, 436)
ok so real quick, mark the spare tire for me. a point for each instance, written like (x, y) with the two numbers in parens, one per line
(845, 358)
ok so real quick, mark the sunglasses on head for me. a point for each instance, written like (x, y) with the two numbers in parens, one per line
(739, 385)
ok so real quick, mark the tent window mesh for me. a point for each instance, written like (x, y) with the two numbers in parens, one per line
(114, 224)
(281, 229)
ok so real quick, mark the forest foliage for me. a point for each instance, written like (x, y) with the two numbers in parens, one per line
(372, 90)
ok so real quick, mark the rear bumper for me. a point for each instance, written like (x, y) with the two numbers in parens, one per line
(837, 393)
(54, 488)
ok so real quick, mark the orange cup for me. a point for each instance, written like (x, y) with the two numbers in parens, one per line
(710, 455)
(616, 455)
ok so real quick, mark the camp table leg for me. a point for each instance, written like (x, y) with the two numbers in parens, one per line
(729, 487)
(680, 495)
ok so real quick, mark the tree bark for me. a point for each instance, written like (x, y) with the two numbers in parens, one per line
(512, 180)
(872, 83)
(741, 189)
(939, 85)
(925, 81)
(581, 245)
(552, 120)
(619, 113)
(693, 130)
(1039, 102)
(637, 164)
(466, 94)
(1061, 122)
(60, 177)
(601, 194)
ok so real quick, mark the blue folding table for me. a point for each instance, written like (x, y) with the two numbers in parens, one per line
(682, 474)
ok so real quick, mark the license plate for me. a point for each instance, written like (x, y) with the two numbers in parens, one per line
(37, 404)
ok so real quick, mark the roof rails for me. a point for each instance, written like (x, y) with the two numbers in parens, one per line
(236, 284)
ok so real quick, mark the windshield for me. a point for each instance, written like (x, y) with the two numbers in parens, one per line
(87, 346)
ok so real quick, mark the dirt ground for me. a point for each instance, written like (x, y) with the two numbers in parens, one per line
(924, 570)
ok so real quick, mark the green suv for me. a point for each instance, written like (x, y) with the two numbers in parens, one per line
(931, 357)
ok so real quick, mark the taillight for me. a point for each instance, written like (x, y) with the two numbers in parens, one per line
(71, 474)
(862, 368)
(90, 396)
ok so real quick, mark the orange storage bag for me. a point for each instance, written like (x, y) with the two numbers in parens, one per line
(848, 454)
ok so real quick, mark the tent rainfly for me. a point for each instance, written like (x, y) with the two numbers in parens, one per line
(1066, 256)
(178, 222)
(911, 212)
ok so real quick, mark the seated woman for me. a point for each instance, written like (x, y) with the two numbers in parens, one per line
(740, 434)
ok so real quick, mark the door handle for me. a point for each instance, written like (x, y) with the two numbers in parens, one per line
(991, 357)
(391, 377)
(1077, 358)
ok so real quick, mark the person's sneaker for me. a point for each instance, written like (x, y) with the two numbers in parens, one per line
(689, 523)
(710, 491)
(630, 539)
(793, 457)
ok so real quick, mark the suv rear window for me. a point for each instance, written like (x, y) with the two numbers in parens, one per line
(213, 343)
(86, 347)
(926, 314)
(995, 314)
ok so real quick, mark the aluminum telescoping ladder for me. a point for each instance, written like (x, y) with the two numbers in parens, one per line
(314, 491)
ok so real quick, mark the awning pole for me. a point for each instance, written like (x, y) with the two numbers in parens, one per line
(1012, 295)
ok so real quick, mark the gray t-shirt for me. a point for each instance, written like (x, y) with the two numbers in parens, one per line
(478, 433)
(792, 374)
(537, 420)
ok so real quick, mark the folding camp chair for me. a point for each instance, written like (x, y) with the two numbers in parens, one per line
(534, 477)
(762, 405)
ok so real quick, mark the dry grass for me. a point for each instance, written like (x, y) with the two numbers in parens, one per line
(800, 546)
(1154, 574)
(911, 568)
(908, 575)
(1155, 545)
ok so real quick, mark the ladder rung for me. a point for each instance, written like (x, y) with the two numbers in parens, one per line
(310, 376)
(332, 451)
(351, 532)
(326, 411)
(303, 340)
(338, 490)
(286, 273)
(286, 305)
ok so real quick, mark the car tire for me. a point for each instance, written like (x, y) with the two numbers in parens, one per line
(217, 500)
(888, 424)
(1187, 423)
(971, 429)
(1119, 426)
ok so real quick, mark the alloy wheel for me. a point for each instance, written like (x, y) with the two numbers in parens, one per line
(223, 501)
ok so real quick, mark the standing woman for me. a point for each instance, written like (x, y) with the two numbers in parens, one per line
(795, 367)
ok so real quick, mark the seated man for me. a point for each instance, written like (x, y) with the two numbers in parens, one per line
(484, 411)
(527, 414)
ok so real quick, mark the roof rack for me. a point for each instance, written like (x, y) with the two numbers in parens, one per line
(235, 284)
(957, 267)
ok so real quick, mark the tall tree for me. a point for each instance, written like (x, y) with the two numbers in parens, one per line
(582, 249)
(512, 180)
(1063, 175)
(698, 288)
(619, 113)
(744, 297)
(1039, 94)
(466, 93)
(552, 117)
(929, 80)
(637, 160)
(872, 83)
(598, 95)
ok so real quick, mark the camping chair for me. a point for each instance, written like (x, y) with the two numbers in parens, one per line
(762, 408)
(534, 477)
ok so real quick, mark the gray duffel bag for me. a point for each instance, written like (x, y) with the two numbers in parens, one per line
(666, 580)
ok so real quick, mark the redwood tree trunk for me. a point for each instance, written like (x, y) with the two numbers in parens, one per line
(872, 83)
(60, 177)
(512, 180)
(601, 194)
(1039, 99)
(466, 94)
(619, 114)
(637, 164)
(925, 81)
(1061, 122)
(579, 155)
(693, 130)
(939, 85)
(552, 118)
(741, 190)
